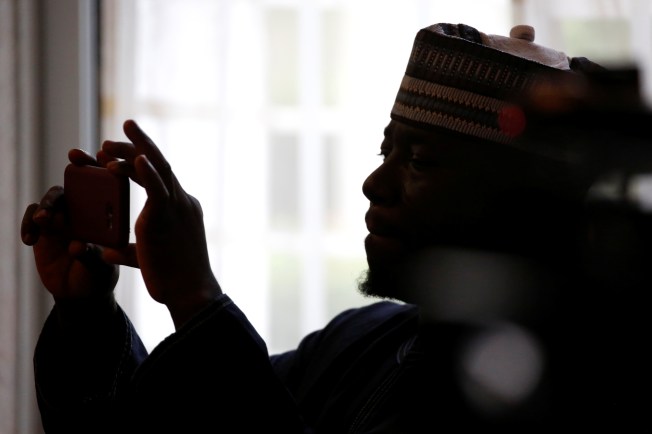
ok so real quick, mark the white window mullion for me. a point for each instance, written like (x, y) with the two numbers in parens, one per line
(311, 169)
(243, 256)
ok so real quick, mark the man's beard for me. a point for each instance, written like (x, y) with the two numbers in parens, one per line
(468, 284)
(388, 276)
(382, 282)
(400, 280)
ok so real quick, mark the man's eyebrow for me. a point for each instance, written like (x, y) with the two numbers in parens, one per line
(413, 135)
(407, 135)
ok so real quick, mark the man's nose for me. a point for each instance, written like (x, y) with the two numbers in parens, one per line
(382, 186)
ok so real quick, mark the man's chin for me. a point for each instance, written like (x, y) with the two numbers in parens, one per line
(381, 283)
(387, 258)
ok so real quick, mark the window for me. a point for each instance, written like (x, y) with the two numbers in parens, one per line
(610, 32)
(271, 113)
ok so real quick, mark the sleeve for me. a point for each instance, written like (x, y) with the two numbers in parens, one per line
(84, 358)
(212, 375)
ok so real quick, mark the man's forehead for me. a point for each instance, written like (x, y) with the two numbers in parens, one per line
(402, 132)
(397, 128)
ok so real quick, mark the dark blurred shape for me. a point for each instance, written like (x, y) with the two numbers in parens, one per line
(598, 127)
(552, 345)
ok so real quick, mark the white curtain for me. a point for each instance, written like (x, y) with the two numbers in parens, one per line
(19, 298)
(48, 97)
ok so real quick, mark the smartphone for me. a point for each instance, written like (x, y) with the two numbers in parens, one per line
(97, 205)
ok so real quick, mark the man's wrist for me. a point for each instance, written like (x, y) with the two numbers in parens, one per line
(184, 309)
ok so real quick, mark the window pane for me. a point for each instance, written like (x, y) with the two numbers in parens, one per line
(283, 182)
(282, 51)
(285, 283)
(332, 41)
(343, 274)
(332, 183)
(602, 40)
(176, 57)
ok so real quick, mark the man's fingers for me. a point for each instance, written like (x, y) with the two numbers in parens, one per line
(154, 172)
(146, 146)
(123, 168)
(126, 256)
(157, 191)
(103, 159)
(42, 216)
(47, 214)
(81, 158)
(91, 256)
(29, 230)
(52, 198)
(136, 134)
(123, 150)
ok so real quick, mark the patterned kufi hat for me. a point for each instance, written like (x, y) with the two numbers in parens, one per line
(463, 80)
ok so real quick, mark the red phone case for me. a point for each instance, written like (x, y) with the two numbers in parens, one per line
(98, 205)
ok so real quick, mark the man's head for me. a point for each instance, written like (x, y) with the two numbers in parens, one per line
(454, 172)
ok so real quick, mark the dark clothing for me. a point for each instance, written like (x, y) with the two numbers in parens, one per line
(364, 372)
(374, 369)
(212, 375)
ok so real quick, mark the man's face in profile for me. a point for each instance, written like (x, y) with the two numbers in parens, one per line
(433, 189)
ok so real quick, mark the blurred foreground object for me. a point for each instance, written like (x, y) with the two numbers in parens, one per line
(598, 128)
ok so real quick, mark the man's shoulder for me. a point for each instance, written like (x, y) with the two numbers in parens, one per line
(372, 315)
(367, 322)
(353, 331)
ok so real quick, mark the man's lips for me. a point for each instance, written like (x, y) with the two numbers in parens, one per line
(379, 226)
(383, 237)
(380, 242)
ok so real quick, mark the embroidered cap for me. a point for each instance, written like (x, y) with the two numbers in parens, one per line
(461, 79)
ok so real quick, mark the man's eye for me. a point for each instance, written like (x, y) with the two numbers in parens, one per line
(422, 163)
